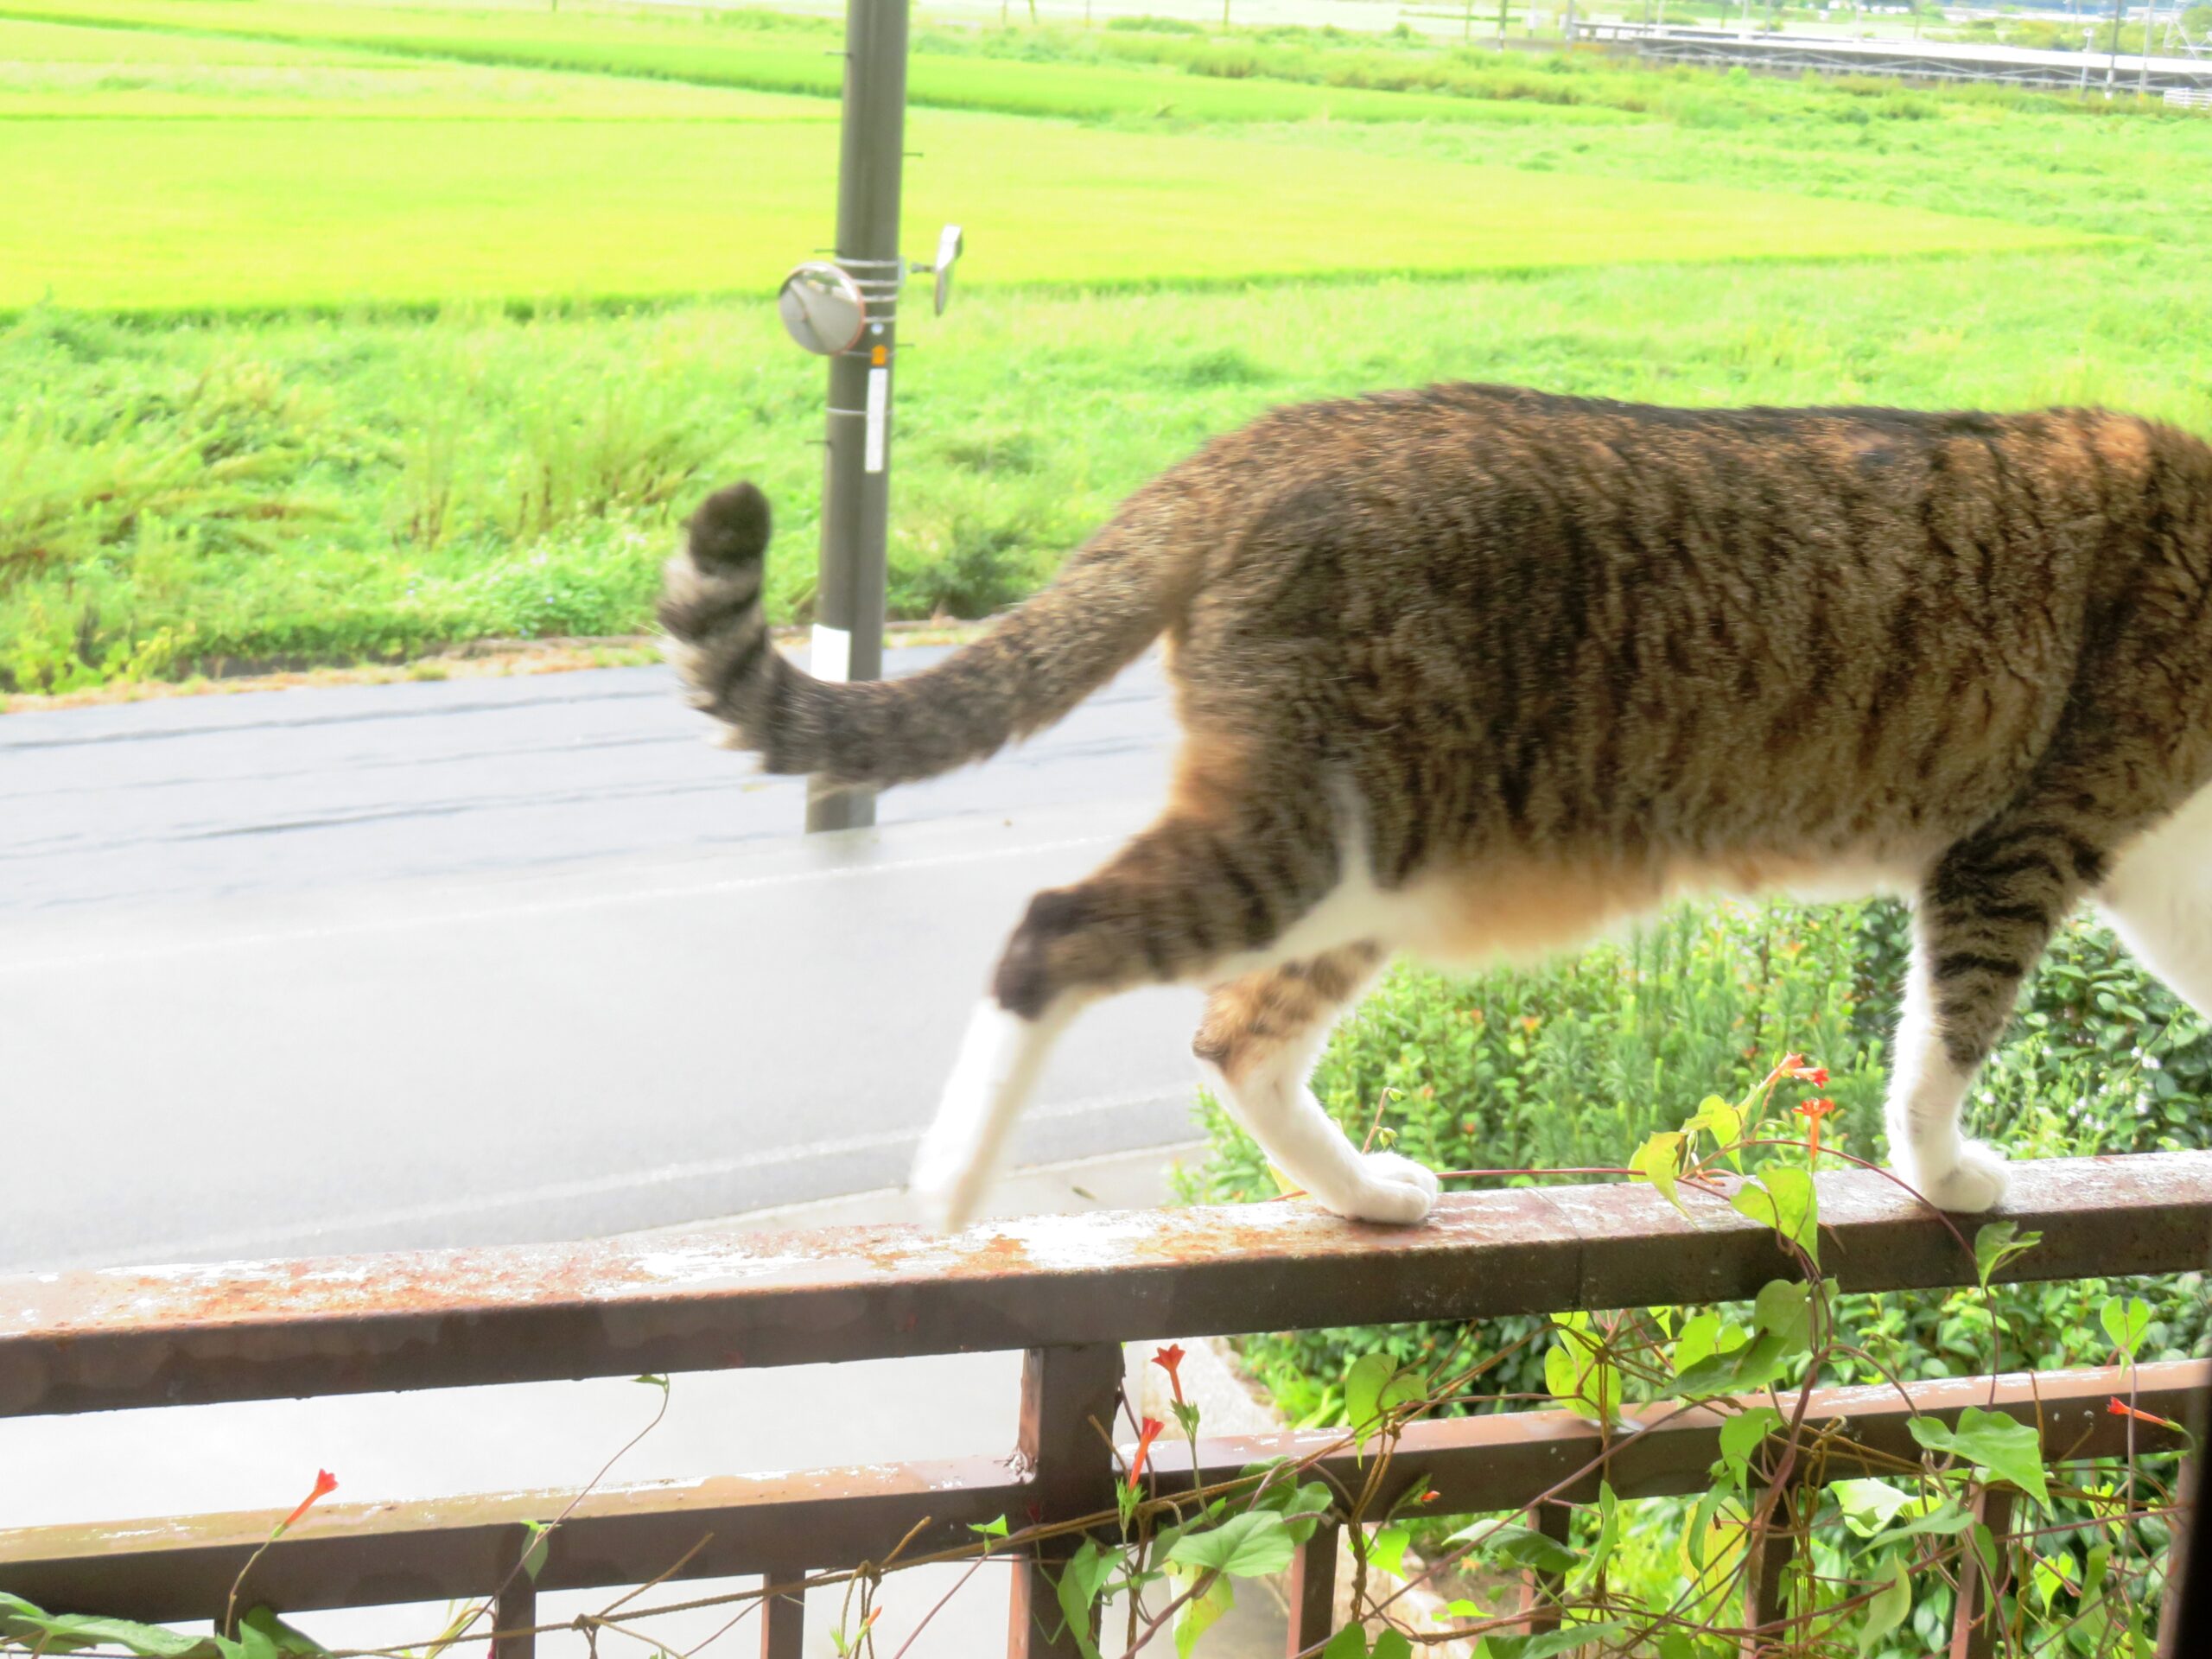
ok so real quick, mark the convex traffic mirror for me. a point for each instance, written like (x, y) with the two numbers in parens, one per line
(822, 309)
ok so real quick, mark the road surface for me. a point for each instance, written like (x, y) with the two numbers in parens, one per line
(498, 960)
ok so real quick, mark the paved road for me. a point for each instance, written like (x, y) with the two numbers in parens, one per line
(499, 960)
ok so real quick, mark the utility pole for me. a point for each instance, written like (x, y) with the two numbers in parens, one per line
(847, 309)
(2112, 63)
(856, 482)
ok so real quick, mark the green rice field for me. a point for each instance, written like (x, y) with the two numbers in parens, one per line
(331, 332)
(269, 210)
(786, 55)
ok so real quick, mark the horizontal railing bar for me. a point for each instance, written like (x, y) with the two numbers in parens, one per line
(362, 1554)
(120, 1338)
(1508, 1460)
(371, 1554)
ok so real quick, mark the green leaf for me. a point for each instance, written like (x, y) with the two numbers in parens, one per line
(1784, 1197)
(2093, 1578)
(992, 1529)
(1984, 1546)
(2050, 1578)
(1081, 1579)
(1561, 1375)
(1943, 1521)
(533, 1555)
(1717, 1116)
(1658, 1160)
(1782, 1314)
(65, 1632)
(1350, 1642)
(1702, 1521)
(1201, 1613)
(1250, 1546)
(1888, 1609)
(284, 1638)
(2125, 1322)
(1870, 1506)
(2011, 1451)
(1700, 1339)
(1742, 1434)
(1724, 1121)
(1375, 1386)
(1518, 1545)
(1392, 1644)
(1578, 1370)
(1784, 1307)
(1738, 1371)
(1385, 1550)
(1310, 1500)
(1997, 1243)
(1609, 1532)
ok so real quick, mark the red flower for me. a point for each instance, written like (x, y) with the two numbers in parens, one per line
(1430, 1495)
(1796, 1065)
(1168, 1359)
(1150, 1433)
(2118, 1408)
(1813, 1111)
(324, 1484)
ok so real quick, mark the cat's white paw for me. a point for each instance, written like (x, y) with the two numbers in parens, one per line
(1975, 1183)
(946, 1185)
(1391, 1188)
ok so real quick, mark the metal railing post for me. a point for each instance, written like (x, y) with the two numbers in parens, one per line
(1313, 1589)
(1763, 1606)
(1068, 1402)
(1540, 1591)
(514, 1613)
(783, 1619)
(1975, 1619)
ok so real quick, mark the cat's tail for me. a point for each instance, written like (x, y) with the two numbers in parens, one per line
(1111, 599)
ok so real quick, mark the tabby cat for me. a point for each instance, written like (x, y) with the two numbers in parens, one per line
(1473, 673)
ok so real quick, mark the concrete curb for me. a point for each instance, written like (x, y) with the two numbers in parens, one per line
(1113, 1180)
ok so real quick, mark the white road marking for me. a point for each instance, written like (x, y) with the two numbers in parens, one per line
(44, 965)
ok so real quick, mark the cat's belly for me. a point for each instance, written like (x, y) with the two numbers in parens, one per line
(1527, 910)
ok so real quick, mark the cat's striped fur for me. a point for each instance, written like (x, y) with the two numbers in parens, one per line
(1472, 672)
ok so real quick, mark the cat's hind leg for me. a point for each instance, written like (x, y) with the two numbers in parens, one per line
(1215, 889)
(1261, 1037)
(2159, 899)
(1986, 912)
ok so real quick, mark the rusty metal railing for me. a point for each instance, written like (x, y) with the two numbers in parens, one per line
(1066, 1291)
